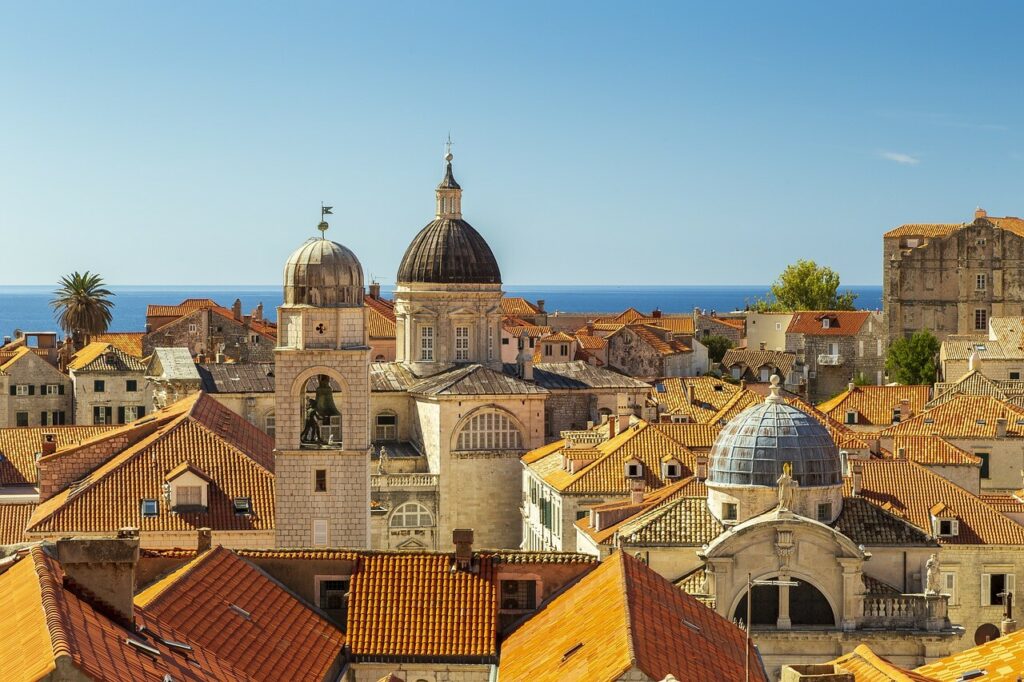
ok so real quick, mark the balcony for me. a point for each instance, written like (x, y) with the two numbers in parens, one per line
(915, 611)
(830, 360)
(403, 481)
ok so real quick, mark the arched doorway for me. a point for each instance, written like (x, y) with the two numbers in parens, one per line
(807, 606)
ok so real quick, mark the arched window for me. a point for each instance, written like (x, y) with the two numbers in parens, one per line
(490, 431)
(386, 426)
(323, 395)
(270, 424)
(380, 358)
(411, 515)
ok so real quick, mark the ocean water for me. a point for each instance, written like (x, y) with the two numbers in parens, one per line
(27, 307)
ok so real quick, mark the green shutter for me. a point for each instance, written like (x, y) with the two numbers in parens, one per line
(60, 389)
(14, 389)
(141, 411)
(31, 389)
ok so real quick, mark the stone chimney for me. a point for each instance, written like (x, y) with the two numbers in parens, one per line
(612, 422)
(980, 213)
(104, 570)
(49, 444)
(463, 540)
(851, 387)
(689, 393)
(236, 310)
(762, 345)
(656, 313)
(636, 491)
(257, 313)
(219, 358)
(590, 327)
(1001, 427)
(540, 305)
(743, 384)
(701, 464)
(857, 475)
(204, 540)
(623, 411)
(901, 453)
(375, 290)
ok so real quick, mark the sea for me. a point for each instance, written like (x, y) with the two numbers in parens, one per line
(27, 307)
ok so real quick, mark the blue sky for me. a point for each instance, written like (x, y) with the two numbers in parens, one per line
(597, 143)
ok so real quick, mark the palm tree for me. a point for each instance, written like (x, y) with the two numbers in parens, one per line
(82, 305)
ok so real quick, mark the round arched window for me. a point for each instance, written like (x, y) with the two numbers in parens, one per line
(490, 430)
(411, 515)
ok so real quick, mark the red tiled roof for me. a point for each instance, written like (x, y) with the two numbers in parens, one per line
(623, 616)
(129, 342)
(875, 404)
(841, 322)
(19, 445)
(933, 450)
(187, 306)
(518, 306)
(13, 519)
(278, 637)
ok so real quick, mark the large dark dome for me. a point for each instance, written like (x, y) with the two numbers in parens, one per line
(449, 251)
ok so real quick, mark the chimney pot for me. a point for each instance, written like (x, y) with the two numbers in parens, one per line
(636, 491)
(49, 444)
(702, 467)
(743, 384)
(540, 304)
(857, 476)
(851, 387)
(1001, 427)
(463, 540)
(375, 290)
(236, 309)
(762, 345)
(105, 569)
(656, 313)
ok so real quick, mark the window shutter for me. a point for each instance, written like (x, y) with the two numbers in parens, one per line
(141, 411)
(14, 389)
(120, 414)
(42, 418)
(986, 588)
(96, 414)
(31, 389)
(954, 527)
(60, 389)
(42, 389)
(1010, 583)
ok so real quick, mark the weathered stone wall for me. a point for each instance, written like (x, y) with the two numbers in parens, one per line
(206, 332)
(628, 354)
(115, 393)
(862, 354)
(35, 372)
(57, 472)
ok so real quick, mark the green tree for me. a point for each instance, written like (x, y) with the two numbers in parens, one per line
(913, 360)
(82, 305)
(805, 285)
(717, 345)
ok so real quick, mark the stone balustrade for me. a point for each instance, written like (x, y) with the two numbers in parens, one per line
(917, 611)
(381, 481)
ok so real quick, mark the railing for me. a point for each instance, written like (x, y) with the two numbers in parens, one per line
(919, 611)
(403, 481)
(830, 360)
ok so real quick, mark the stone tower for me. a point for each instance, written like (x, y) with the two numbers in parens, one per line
(448, 293)
(322, 400)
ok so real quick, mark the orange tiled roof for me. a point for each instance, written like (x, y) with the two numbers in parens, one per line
(648, 333)
(515, 327)
(415, 605)
(8, 359)
(605, 472)
(380, 325)
(756, 359)
(1004, 502)
(558, 337)
(692, 436)
(841, 322)
(710, 395)
(933, 450)
(628, 315)
(1002, 659)
(681, 488)
(19, 445)
(867, 666)
(963, 416)
(47, 621)
(924, 230)
(623, 616)
(517, 306)
(910, 491)
(189, 305)
(591, 342)
(201, 600)
(93, 354)
(129, 342)
(13, 520)
(875, 404)
(236, 455)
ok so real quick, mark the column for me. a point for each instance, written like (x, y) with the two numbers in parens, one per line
(783, 622)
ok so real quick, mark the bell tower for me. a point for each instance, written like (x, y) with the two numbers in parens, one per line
(322, 400)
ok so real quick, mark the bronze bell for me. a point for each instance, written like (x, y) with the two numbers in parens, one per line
(324, 404)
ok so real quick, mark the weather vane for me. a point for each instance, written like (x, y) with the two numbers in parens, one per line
(448, 147)
(324, 211)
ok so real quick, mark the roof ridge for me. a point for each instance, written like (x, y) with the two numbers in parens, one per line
(231, 415)
(625, 604)
(60, 641)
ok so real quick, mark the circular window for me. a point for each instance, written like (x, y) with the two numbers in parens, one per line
(986, 633)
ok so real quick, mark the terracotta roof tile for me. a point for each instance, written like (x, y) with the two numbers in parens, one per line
(202, 600)
(924, 230)
(756, 359)
(710, 395)
(380, 325)
(518, 307)
(932, 451)
(8, 359)
(841, 322)
(104, 357)
(962, 416)
(975, 383)
(1004, 502)
(189, 305)
(19, 445)
(659, 339)
(875, 404)
(620, 616)
(13, 520)
(1002, 659)
(867, 666)
(129, 342)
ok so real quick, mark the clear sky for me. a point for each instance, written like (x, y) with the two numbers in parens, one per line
(597, 143)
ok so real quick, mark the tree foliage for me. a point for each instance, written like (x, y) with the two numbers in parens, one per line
(805, 285)
(913, 360)
(82, 304)
(716, 345)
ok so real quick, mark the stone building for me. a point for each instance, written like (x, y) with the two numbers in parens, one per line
(210, 331)
(171, 375)
(712, 324)
(872, 408)
(246, 388)
(1000, 351)
(110, 385)
(648, 351)
(32, 391)
(757, 366)
(322, 400)
(952, 278)
(834, 348)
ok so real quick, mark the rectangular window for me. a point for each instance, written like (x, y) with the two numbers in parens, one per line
(191, 329)
(949, 587)
(729, 511)
(1014, 376)
(102, 415)
(778, 326)
(981, 319)
(427, 343)
(564, 350)
(21, 389)
(54, 418)
(851, 417)
(332, 592)
(547, 349)
(21, 419)
(99, 386)
(860, 348)
(319, 532)
(533, 342)
(242, 505)
(320, 481)
(582, 514)
(878, 350)
(131, 385)
(980, 281)
(387, 427)
(993, 585)
(983, 456)
(190, 496)
(461, 344)
(825, 512)
(131, 413)
(51, 389)
(505, 341)
(270, 424)
(148, 508)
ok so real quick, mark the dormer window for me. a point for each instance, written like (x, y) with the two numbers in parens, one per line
(671, 469)
(188, 488)
(243, 506)
(851, 416)
(946, 528)
(730, 511)
(825, 323)
(634, 469)
(896, 415)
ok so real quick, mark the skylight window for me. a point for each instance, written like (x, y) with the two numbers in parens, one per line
(243, 505)
(149, 508)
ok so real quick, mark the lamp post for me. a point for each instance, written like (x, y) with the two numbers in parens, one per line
(750, 586)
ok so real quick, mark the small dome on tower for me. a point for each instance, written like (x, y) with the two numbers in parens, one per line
(753, 447)
(323, 273)
(448, 250)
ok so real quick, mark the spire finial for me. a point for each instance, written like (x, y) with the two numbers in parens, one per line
(448, 148)
(324, 211)
(776, 396)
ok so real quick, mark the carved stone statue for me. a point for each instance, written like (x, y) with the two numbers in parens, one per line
(382, 461)
(787, 485)
(311, 427)
(933, 578)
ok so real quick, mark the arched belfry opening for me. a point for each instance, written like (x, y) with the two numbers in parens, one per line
(321, 418)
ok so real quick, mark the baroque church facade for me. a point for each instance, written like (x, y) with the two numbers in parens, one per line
(397, 455)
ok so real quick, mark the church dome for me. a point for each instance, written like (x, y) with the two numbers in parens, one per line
(752, 448)
(323, 273)
(449, 251)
